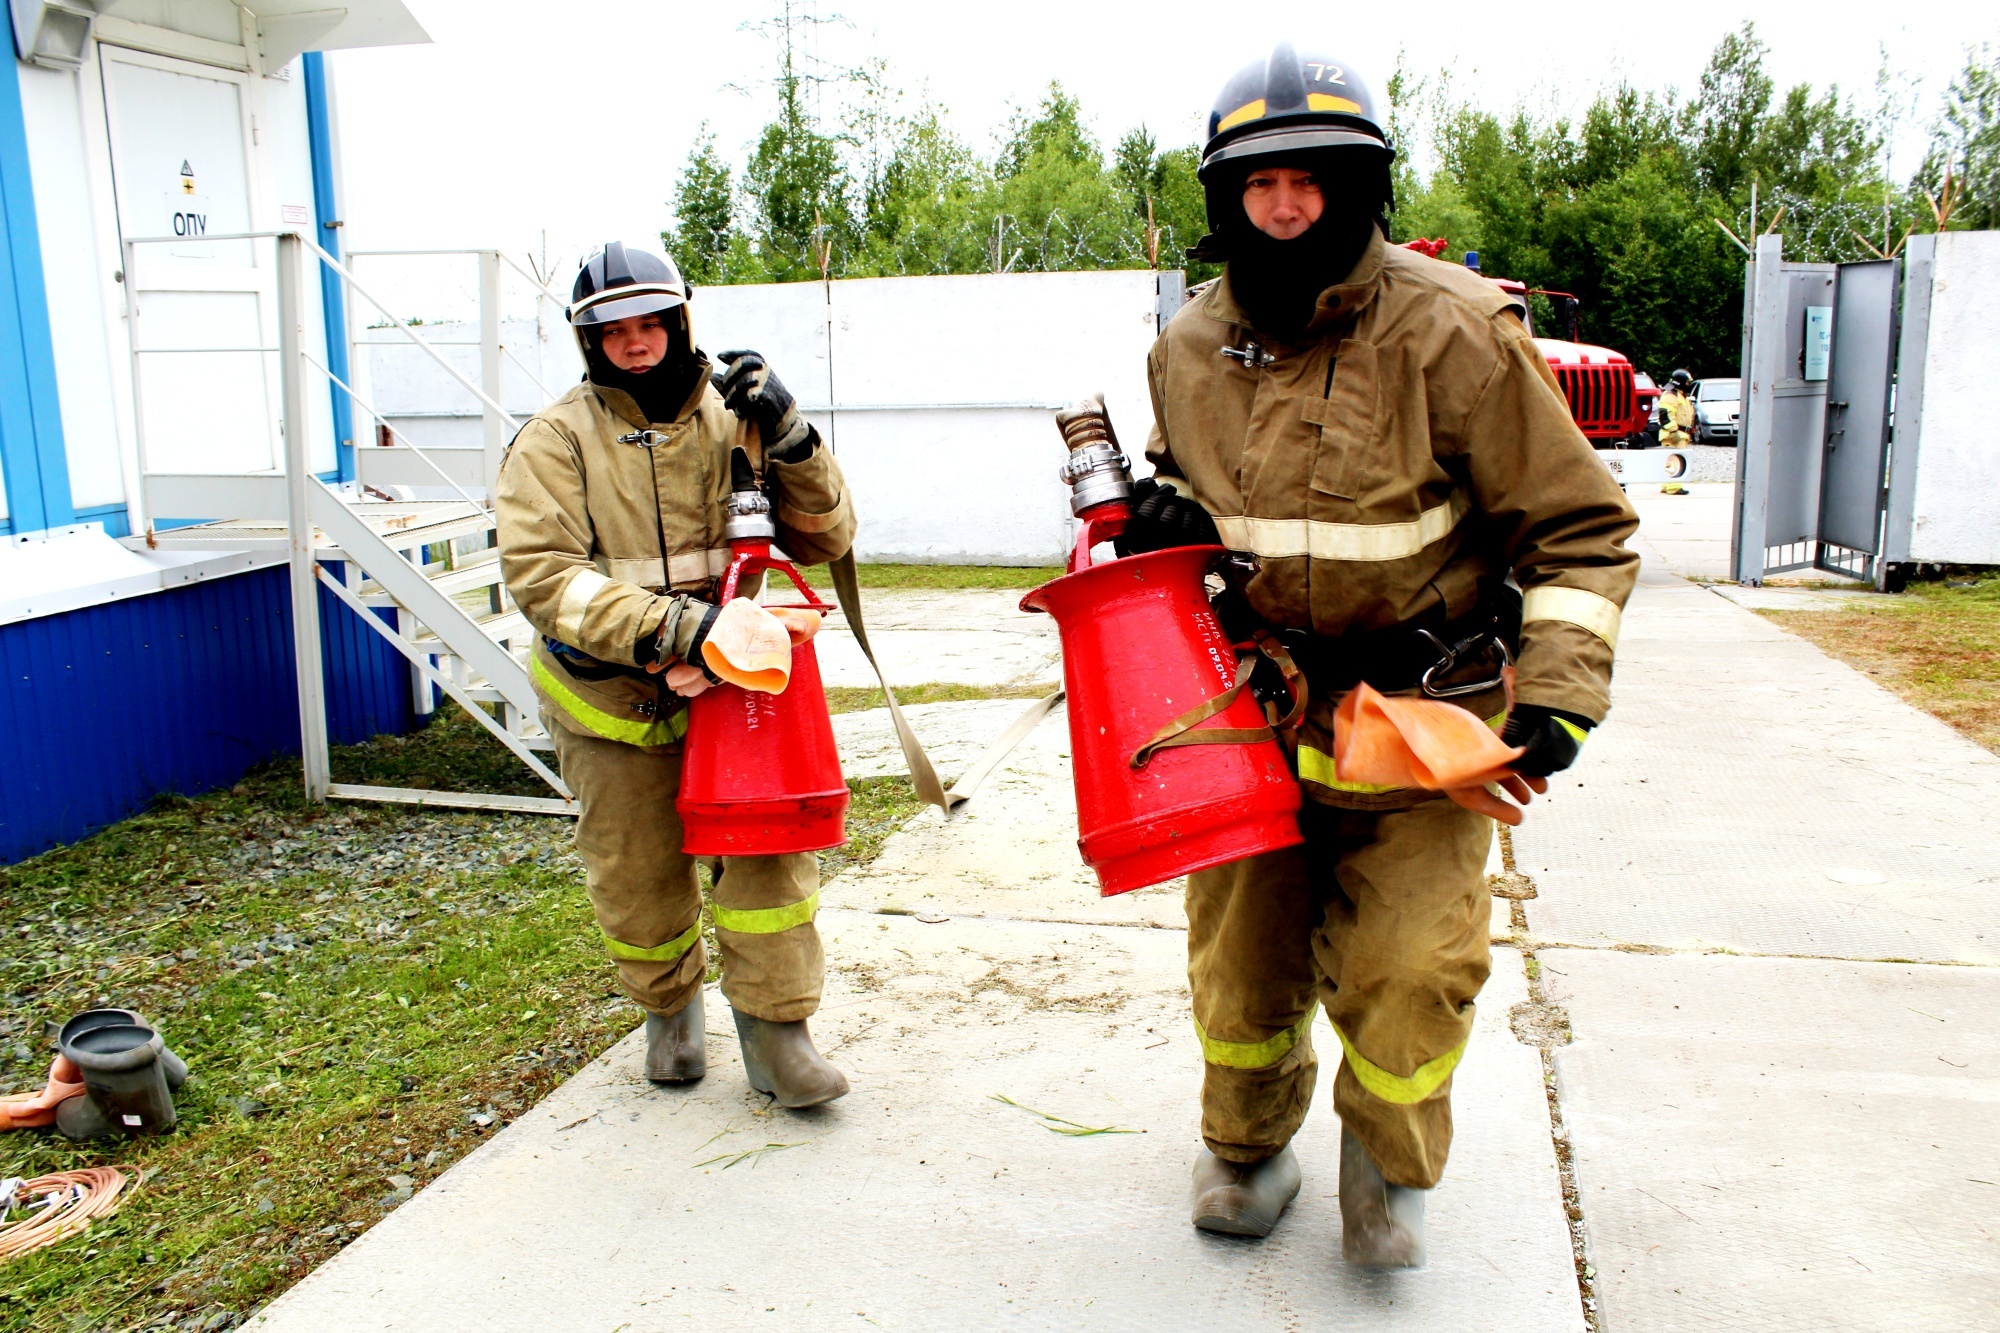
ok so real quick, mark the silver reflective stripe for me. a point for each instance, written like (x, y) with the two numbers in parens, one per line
(583, 585)
(648, 573)
(1277, 538)
(697, 566)
(1575, 606)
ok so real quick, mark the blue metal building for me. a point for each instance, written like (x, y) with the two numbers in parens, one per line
(131, 672)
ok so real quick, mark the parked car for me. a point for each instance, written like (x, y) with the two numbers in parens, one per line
(1718, 406)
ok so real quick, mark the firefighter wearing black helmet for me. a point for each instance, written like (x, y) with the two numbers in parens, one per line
(610, 508)
(1378, 433)
(1677, 411)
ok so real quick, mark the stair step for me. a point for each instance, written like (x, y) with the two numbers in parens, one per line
(509, 624)
(470, 576)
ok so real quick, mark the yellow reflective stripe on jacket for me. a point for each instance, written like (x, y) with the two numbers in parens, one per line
(1316, 766)
(659, 953)
(766, 920)
(1253, 1054)
(1576, 606)
(1428, 1078)
(661, 731)
(1279, 538)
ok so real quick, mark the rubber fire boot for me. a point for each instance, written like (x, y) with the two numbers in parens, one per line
(171, 1065)
(1243, 1200)
(82, 1118)
(674, 1045)
(1381, 1225)
(780, 1059)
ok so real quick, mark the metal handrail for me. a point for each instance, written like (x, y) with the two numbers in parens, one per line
(505, 258)
(546, 391)
(411, 333)
(348, 277)
(415, 448)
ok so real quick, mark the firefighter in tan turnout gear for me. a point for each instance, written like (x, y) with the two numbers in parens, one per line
(611, 538)
(1378, 433)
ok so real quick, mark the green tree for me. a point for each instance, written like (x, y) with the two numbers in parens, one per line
(1729, 112)
(704, 230)
(798, 192)
(1967, 138)
(925, 216)
(1057, 206)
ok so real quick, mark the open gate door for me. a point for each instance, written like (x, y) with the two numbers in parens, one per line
(1861, 370)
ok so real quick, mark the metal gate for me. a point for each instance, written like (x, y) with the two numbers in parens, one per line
(1859, 383)
(1819, 362)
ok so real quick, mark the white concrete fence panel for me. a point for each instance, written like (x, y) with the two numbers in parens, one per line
(937, 393)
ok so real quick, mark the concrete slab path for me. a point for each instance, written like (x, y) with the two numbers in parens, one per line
(1779, 1143)
(1766, 906)
(921, 1202)
(971, 637)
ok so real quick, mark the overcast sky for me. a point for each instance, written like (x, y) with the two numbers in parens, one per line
(574, 116)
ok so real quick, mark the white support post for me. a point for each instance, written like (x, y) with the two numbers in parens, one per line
(491, 368)
(299, 521)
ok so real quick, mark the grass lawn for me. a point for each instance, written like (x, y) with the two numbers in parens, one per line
(1936, 645)
(940, 576)
(362, 993)
(855, 698)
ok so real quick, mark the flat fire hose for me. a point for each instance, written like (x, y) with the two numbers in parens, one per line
(923, 776)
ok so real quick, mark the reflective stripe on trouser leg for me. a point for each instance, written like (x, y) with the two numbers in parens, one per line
(1252, 974)
(772, 965)
(1404, 951)
(642, 885)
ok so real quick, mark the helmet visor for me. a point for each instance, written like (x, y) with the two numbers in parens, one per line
(1290, 139)
(623, 302)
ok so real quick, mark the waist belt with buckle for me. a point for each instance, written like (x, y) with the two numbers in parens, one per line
(1445, 659)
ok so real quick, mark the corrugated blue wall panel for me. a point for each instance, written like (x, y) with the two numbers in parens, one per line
(104, 708)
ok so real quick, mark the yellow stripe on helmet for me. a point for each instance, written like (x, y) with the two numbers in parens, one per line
(1328, 102)
(1249, 111)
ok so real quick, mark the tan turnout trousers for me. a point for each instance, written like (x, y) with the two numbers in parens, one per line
(1381, 916)
(648, 902)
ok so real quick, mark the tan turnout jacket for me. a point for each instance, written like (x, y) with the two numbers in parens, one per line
(1414, 446)
(601, 540)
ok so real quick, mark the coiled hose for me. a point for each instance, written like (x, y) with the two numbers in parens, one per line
(67, 1204)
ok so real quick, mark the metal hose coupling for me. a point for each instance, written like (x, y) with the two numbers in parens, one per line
(1097, 470)
(747, 515)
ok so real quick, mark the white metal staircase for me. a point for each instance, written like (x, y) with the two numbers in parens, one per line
(453, 619)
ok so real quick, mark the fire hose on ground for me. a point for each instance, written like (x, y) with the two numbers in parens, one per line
(68, 1202)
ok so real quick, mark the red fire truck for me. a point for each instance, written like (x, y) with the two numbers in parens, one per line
(1603, 392)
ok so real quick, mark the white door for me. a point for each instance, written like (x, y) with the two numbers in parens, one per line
(206, 391)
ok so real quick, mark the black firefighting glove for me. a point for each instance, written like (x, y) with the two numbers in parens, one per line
(1161, 518)
(1551, 737)
(680, 637)
(752, 392)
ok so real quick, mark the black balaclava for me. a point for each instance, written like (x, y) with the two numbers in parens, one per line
(660, 392)
(1278, 283)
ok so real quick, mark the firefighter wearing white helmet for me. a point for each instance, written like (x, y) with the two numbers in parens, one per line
(610, 508)
(1378, 433)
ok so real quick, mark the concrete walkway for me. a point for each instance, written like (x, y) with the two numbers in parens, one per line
(1768, 898)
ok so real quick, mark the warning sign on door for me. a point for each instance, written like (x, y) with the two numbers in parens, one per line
(187, 219)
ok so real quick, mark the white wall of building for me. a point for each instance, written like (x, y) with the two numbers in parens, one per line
(99, 181)
(68, 211)
(1956, 505)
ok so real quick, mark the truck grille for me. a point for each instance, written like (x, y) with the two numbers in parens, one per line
(1600, 398)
